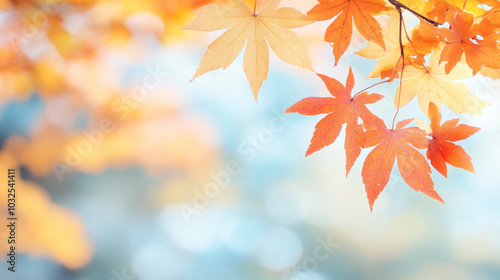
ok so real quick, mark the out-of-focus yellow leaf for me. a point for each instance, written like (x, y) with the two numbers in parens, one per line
(44, 229)
(15, 75)
(184, 143)
(50, 80)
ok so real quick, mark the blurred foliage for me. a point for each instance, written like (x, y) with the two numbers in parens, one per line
(44, 229)
(59, 50)
(80, 32)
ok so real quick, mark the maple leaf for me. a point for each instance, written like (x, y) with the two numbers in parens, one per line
(400, 143)
(441, 150)
(434, 85)
(342, 108)
(267, 25)
(463, 38)
(423, 39)
(339, 33)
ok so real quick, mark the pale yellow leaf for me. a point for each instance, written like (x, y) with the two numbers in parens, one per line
(288, 46)
(286, 18)
(437, 87)
(269, 6)
(256, 60)
(224, 50)
(215, 17)
(253, 29)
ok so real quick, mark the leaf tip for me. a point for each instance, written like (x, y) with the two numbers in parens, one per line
(255, 94)
(289, 110)
(435, 195)
(309, 152)
(469, 167)
(312, 149)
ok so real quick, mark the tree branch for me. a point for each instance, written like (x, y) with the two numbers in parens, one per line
(399, 6)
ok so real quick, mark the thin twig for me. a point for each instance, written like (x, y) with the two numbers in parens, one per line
(379, 83)
(365, 89)
(395, 67)
(399, 5)
(403, 65)
(415, 49)
(399, 94)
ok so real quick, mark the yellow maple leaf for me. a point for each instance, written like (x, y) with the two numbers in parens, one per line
(257, 28)
(45, 229)
(437, 87)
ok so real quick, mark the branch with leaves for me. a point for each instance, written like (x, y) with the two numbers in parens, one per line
(427, 60)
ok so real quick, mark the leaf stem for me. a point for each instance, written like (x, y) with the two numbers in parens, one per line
(395, 67)
(399, 94)
(403, 65)
(379, 83)
(415, 49)
(255, 7)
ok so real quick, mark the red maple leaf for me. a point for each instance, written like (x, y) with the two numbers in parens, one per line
(339, 33)
(397, 143)
(477, 41)
(342, 108)
(441, 150)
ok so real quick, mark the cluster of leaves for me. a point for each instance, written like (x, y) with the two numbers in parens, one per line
(455, 39)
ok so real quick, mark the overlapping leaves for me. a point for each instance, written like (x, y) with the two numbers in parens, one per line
(455, 39)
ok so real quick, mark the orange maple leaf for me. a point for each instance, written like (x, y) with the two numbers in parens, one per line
(397, 143)
(339, 33)
(441, 150)
(342, 108)
(477, 41)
